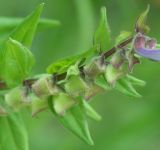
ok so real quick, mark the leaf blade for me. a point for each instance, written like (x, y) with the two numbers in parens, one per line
(91, 112)
(13, 133)
(125, 87)
(7, 24)
(141, 21)
(74, 120)
(102, 34)
(25, 31)
(17, 62)
(62, 65)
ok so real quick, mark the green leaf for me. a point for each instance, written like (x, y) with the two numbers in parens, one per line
(136, 81)
(13, 133)
(7, 24)
(17, 62)
(141, 22)
(25, 31)
(75, 120)
(102, 34)
(125, 87)
(91, 112)
(62, 66)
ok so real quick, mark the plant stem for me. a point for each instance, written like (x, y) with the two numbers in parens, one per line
(59, 77)
(106, 54)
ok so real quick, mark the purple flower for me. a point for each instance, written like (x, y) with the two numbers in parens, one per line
(146, 47)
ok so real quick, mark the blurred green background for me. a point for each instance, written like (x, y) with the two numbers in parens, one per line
(128, 123)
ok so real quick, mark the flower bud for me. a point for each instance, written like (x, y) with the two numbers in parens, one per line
(62, 102)
(118, 59)
(38, 105)
(17, 98)
(75, 86)
(44, 87)
(95, 67)
(112, 74)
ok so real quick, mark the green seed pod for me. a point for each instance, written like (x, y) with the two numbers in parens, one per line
(75, 86)
(112, 74)
(3, 111)
(62, 102)
(44, 87)
(95, 67)
(92, 90)
(38, 105)
(17, 98)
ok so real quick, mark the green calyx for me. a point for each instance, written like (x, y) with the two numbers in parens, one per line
(62, 102)
(17, 98)
(38, 105)
(112, 74)
(45, 87)
(95, 67)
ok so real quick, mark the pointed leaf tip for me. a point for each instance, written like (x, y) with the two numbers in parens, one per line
(75, 120)
(136, 81)
(103, 11)
(102, 34)
(91, 112)
(25, 31)
(40, 6)
(125, 86)
(141, 21)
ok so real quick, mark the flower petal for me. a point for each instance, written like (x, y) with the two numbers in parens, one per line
(151, 43)
(153, 54)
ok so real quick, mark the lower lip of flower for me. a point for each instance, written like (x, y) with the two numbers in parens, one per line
(153, 54)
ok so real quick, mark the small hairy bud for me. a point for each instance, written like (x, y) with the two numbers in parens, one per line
(62, 102)
(95, 67)
(112, 74)
(118, 59)
(75, 86)
(93, 90)
(38, 105)
(74, 83)
(44, 87)
(17, 97)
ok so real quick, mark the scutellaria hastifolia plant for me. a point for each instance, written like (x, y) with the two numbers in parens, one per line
(69, 84)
